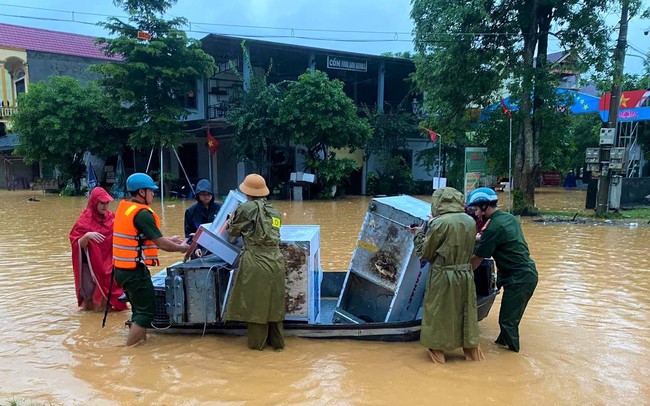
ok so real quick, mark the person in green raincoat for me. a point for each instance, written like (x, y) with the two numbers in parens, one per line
(449, 316)
(258, 294)
(503, 239)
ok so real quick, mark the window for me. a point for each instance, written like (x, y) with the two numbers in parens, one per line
(19, 82)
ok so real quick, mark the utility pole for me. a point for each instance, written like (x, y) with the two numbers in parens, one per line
(604, 180)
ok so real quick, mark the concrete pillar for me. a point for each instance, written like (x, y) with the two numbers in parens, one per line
(241, 172)
(312, 62)
(247, 68)
(380, 86)
(3, 72)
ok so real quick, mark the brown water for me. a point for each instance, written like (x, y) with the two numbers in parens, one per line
(585, 335)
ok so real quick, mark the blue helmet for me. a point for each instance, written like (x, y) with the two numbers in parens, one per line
(140, 181)
(482, 195)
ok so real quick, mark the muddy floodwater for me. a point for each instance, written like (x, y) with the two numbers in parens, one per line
(585, 335)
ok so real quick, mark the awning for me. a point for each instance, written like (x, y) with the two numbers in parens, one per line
(577, 102)
(8, 142)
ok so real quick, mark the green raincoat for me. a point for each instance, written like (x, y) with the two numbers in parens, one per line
(449, 318)
(258, 291)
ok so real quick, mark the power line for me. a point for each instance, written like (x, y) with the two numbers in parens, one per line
(261, 27)
(396, 34)
(225, 34)
(48, 19)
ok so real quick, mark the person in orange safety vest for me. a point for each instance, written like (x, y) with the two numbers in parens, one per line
(136, 240)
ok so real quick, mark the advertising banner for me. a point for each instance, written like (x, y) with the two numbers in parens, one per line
(475, 168)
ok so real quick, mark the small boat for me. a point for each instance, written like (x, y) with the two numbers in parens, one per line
(378, 298)
(197, 321)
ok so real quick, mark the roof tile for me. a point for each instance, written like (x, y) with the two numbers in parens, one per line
(56, 42)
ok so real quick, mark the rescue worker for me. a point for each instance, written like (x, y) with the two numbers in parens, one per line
(503, 239)
(259, 288)
(203, 211)
(136, 239)
(449, 314)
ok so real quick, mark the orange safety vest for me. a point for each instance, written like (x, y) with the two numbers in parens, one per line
(129, 246)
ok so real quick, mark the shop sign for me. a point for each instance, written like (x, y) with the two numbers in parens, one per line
(355, 65)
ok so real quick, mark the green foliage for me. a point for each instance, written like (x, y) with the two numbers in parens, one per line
(563, 145)
(70, 190)
(317, 113)
(520, 206)
(155, 75)
(331, 172)
(390, 131)
(470, 51)
(630, 81)
(254, 121)
(404, 54)
(59, 120)
(394, 178)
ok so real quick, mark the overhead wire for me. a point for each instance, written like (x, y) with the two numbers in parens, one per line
(292, 30)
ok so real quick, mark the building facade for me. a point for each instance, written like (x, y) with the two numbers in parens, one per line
(30, 55)
(369, 80)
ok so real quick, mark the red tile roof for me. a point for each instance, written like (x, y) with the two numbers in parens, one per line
(56, 42)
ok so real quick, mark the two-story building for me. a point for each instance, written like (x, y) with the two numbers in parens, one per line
(371, 80)
(29, 55)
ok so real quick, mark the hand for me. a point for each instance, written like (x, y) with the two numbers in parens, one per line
(95, 236)
(414, 230)
(198, 253)
(176, 240)
(184, 247)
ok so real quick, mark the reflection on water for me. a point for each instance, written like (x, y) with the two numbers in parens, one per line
(585, 336)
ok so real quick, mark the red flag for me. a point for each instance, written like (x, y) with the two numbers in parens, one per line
(432, 134)
(506, 111)
(212, 143)
(144, 35)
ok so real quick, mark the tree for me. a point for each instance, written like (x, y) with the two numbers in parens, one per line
(59, 120)
(254, 121)
(155, 75)
(390, 133)
(472, 50)
(318, 114)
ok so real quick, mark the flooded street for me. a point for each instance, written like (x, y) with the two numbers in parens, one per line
(585, 334)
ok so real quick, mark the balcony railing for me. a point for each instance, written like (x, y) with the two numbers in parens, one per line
(218, 111)
(6, 112)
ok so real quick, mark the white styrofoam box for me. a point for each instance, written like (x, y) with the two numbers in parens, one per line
(309, 177)
(300, 245)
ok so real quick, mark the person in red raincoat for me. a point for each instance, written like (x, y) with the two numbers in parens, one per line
(92, 254)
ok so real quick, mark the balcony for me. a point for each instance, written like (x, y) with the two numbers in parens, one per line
(218, 111)
(7, 111)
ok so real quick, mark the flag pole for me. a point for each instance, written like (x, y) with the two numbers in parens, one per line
(439, 158)
(510, 183)
(162, 183)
